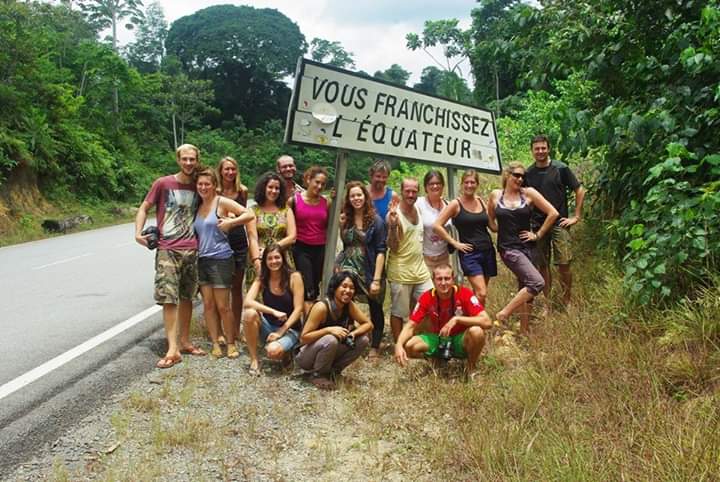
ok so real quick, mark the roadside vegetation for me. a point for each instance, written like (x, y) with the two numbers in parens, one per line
(595, 394)
(624, 385)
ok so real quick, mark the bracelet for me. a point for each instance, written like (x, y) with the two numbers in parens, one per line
(537, 235)
(376, 280)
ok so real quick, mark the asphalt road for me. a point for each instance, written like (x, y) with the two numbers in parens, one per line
(56, 294)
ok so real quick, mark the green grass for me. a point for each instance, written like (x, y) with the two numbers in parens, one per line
(28, 227)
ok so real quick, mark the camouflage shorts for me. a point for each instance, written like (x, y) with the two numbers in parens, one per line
(176, 276)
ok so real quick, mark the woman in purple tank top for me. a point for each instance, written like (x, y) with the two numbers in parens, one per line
(509, 210)
(311, 219)
(215, 258)
(275, 320)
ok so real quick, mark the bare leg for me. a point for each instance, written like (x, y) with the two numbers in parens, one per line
(251, 324)
(222, 301)
(473, 343)
(521, 298)
(396, 325)
(184, 315)
(565, 282)
(237, 299)
(547, 277)
(479, 286)
(170, 319)
(210, 312)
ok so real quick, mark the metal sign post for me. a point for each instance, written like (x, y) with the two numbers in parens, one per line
(334, 219)
(452, 194)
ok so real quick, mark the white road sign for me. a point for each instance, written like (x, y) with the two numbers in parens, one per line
(335, 108)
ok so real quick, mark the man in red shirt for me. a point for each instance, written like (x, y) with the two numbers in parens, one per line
(453, 313)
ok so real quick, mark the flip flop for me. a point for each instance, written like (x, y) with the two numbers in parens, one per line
(193, 350)
(168, 361)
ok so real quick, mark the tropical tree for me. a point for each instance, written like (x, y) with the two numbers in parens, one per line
(148, 50)
(332, 53)
(105, 14)
(394, 74)
(245, 52)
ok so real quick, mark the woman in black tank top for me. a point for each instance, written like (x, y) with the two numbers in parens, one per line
(475, 247)
(277, 319)
(509, 210)
(335, 332)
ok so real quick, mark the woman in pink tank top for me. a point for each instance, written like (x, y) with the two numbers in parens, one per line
(311, 218)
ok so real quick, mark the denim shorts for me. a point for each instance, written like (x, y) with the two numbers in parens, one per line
(288, 341)
(216, 272)
(479, 263)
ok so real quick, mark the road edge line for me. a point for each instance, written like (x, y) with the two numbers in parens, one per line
(27, 378)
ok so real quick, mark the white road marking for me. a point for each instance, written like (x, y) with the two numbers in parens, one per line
(60, 360)
(62, 261)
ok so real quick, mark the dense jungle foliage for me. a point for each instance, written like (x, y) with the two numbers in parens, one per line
(629, 92)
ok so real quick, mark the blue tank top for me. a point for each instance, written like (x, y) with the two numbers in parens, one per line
(212, 243)
(382, 204)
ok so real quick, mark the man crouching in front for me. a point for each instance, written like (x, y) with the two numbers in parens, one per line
(457, 323)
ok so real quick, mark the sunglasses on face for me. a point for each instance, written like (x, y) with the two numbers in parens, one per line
(517, 175)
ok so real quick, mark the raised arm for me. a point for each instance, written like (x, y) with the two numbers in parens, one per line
(241, 214)
(394, 227)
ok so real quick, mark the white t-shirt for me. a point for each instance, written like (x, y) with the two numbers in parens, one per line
(433, 245)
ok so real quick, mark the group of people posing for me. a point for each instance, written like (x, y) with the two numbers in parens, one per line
(259, 265)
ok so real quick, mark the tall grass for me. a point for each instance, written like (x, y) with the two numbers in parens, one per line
(594, 397)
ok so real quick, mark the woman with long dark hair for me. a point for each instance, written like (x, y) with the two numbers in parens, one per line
(335, 331)
(275, 319)
(364, 236)
(509, 212)
(311, 218)
(274, 222)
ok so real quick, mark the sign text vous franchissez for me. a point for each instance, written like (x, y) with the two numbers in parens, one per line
(336, 108)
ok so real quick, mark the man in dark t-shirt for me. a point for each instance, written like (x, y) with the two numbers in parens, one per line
(176, 201)
(553, 180)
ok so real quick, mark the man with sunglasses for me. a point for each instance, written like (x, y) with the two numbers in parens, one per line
(553, 180)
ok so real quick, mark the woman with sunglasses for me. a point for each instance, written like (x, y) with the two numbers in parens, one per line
(475, 247)
(509, 212)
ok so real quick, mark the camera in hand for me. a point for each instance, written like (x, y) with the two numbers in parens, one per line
(445, 349)
(153, 236)
(349, 341)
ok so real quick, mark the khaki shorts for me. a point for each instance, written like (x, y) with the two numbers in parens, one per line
(402, 295)
(176, 276)
(555, 246)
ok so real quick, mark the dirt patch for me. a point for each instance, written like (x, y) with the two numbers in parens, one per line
(20, 196)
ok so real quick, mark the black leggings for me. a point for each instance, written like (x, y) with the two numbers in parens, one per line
(378, 319)
(309, 262)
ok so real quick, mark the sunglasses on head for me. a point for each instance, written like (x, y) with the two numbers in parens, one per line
(517, 175)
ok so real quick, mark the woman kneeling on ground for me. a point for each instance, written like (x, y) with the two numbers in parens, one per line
(216, 265)
(335, 333)
(509, 212)
(277, 319)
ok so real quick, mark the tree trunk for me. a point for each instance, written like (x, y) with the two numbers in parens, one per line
(174, 131)
(116, 97)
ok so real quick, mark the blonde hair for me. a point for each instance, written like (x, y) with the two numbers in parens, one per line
(239, 187)
(187, 147)
(508, 169)
(210, 173)
(469, 173)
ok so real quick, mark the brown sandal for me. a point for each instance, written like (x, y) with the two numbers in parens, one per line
(168, 361)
